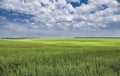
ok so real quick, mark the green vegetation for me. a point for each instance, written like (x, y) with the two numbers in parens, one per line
(60, 57)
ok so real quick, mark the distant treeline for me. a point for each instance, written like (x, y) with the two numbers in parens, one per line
(97, 37)
(19, 38)
(39, 37)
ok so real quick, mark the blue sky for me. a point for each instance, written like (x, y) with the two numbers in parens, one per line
(60, 18)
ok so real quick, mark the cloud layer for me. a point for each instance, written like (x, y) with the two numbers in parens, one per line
(61, 14)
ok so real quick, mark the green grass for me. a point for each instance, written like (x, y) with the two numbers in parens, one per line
(60, 57)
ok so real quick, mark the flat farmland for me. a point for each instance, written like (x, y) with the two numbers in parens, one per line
(60, 57)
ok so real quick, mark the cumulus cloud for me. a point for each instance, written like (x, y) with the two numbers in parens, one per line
(61, 14)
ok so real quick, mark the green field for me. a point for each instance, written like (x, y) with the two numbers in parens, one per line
(60, 57)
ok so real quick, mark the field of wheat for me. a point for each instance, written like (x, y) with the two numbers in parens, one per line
(60, 57)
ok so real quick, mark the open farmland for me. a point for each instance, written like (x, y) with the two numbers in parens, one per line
(60, 57)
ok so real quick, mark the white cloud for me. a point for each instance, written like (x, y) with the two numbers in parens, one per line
(62, 14)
